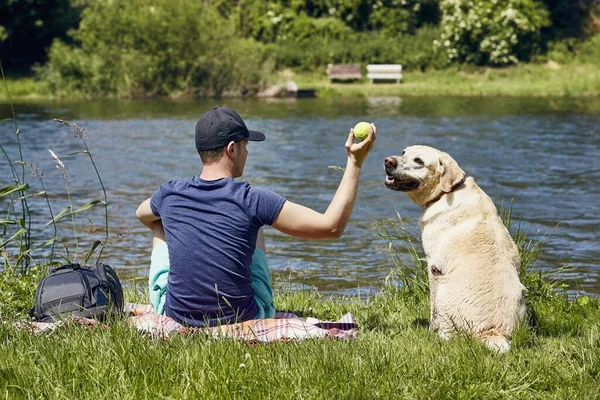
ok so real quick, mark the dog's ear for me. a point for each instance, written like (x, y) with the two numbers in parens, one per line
(451, 173)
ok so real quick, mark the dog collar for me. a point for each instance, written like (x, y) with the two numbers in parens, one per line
(438, 197)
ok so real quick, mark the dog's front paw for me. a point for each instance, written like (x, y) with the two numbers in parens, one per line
(497, 343)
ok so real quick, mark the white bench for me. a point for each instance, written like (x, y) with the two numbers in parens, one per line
(384, 71)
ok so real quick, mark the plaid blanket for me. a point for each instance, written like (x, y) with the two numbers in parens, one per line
(284, 327)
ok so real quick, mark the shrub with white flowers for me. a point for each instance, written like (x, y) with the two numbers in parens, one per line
(490, 32)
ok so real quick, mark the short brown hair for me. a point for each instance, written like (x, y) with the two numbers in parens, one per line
(211, 156)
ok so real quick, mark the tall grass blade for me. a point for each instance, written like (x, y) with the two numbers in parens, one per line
(82, 134)
(17, 234)
(6, 191)
(59, 216)
(88, 206)
(42, 193)
(39, 175)
(27, 252)
(46, 243)
(73, 153)
(91, 251)
(25, 239)
(65, 212)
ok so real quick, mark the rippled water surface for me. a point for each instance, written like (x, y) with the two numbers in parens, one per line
(541, 154)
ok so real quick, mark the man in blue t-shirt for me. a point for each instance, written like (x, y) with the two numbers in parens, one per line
(212, 226)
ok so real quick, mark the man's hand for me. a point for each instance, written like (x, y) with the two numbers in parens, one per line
(300, 221)
(357, 152)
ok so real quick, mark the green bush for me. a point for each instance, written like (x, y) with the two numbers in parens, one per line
(589, 50)
(71, 70)
(412, 51)
(561, 51)
(137, 48)
(306, 35)
(494, 32)
(395, 17)
(269, 23)
(280, 19)
(419, 52)
(567, 50)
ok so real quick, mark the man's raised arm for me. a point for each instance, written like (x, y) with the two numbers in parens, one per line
(297, 220)
(145, 215)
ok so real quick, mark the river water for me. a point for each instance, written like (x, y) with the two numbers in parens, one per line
(541, 154)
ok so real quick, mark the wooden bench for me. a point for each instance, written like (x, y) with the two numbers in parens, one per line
(344, 71)
(384, 71)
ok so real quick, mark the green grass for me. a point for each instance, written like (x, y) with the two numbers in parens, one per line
(394, 357)
(555, 353)
(527, 80)
(24, 87)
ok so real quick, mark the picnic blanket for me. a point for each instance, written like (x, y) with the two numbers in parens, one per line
(284, 327)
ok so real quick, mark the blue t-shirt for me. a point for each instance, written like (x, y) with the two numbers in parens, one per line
(211, 229)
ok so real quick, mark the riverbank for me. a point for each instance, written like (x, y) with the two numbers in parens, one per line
(526, 80)
(394, 356)
(23, 88)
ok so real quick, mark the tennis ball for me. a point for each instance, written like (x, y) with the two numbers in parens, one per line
(361, 131)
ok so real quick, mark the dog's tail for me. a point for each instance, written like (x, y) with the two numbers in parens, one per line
(495, 341)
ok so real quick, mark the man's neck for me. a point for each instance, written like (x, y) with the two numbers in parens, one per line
(214, 172)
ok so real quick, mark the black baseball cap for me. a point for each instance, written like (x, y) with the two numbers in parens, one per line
(221, 125)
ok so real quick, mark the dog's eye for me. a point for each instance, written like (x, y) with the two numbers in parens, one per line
(403, 151)
(419, 161)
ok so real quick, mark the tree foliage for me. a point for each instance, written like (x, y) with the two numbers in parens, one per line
(28, 27)
(493, 32)
(137, 48)
(412, 51)
(270, 21)
(159, 47)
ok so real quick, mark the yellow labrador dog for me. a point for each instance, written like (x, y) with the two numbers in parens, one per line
(472, 260)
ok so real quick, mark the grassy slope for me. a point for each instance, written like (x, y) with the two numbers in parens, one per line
(23, 88)
(523, 80)
(394, 357)
(532, 80)
(556, 355)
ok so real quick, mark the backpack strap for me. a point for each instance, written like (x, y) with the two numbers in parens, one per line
(110, 279)
(65, 268)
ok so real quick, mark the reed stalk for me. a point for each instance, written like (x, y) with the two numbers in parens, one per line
(25, 220)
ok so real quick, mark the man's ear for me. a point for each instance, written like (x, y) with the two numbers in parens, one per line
(451, 173)
(230, 149)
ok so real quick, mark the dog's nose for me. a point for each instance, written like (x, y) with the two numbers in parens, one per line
(390, 163)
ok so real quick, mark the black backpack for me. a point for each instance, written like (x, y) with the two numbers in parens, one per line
(78, 290)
